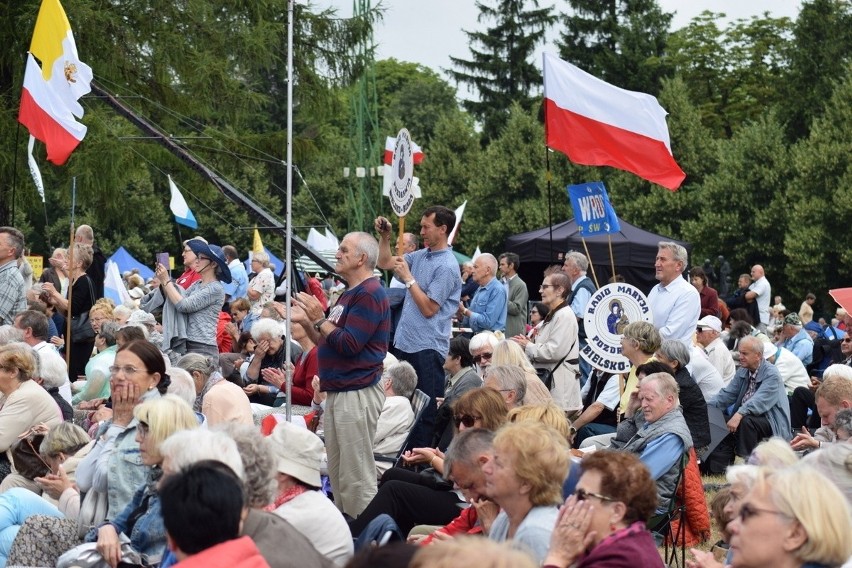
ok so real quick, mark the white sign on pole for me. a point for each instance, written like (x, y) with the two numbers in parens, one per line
(608, 312)
(402, 174)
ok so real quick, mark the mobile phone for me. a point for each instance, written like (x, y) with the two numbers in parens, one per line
(162, 258)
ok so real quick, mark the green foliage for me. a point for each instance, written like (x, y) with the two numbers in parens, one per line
(500, 69)
(622, 42)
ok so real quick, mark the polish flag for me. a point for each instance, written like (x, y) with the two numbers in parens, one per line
(598, 124)
(416, 152)
(49, 99)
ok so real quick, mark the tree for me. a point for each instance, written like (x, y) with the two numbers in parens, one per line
(817, 243)
(733, 74)
(499, 69)
(620, 41)
(818, 55)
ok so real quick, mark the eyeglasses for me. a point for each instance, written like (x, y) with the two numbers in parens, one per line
(543, 286)
(582, 495)
(466, 419)
(846, 340)
(700, 329)
(143, 429)
(747, 511)
(482, 357)
(126, 370)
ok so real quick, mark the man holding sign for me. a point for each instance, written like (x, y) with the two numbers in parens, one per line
(431, 277)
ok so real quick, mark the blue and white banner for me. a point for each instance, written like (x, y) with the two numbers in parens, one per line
(180, 209)
(592, 210)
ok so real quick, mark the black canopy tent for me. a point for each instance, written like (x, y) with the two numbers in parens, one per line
(634, 250)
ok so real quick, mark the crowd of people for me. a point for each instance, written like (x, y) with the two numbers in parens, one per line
(441, 418)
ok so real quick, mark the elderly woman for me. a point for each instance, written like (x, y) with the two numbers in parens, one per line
(141, 520)
(556, 347)
(23, 403)
(303, 372)
(299, 501)
(261, 288)
(201, 302)
(96, 384)
(603, 523)
(82, 300)
(670, 359)
(270, 353)
(219, 400)
(189, 276)
(793, 517)
(510, 353)
(525, 479)
(639, 342)
(114, 466)
(510, 382)
(100, 313)
(482, 350)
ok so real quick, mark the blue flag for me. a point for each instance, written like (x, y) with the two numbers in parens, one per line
(179, 207)
(592, 210)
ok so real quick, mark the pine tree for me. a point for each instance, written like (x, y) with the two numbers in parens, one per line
(500, 68)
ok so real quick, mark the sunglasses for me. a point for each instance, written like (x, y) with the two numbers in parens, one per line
(846, 340)
(482, 357)
(466, 419)
(748, 511)
(582, 495)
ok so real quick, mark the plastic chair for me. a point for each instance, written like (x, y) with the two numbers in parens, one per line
(660, 525)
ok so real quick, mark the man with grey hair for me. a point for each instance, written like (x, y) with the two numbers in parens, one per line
(351, 346)
(796, 339)
(757, 398)
(517, 293)
(34, 328)
(12, 297)
(510, 382)
(487, 311)
(399, 382)
(575, 266)
(675, 303)
(656, 430)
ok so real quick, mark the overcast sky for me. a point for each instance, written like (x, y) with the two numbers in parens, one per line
(429, 31)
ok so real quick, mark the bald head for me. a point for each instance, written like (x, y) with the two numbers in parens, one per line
(757, 272)
(484, 268)
(84, 235)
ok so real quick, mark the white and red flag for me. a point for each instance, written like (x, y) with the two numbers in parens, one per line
(51, 91)
(416, 152)
(595, 123)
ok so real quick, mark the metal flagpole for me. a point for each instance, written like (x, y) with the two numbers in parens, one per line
(289, 253)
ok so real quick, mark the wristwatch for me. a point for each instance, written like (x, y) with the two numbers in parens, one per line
(410, 283)
(318, 323)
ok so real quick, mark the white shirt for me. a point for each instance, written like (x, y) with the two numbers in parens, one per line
(315, 516)
(721, 358)
(394, 423)
(45, 349)
(609, 396)
(675, 308)
(763, 290)
(705, 374)
(791, 369)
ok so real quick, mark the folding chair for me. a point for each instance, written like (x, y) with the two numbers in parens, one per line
(660, 525)
(419, 402)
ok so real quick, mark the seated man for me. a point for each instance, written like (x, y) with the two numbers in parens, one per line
(396, 418)
(832, 396)
(426, 499)
(656, 430)
(203, 511)
(796, 339)
(482, 349)
(755, 400)
(790, 367)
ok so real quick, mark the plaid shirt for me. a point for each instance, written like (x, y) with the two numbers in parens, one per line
(12, 299)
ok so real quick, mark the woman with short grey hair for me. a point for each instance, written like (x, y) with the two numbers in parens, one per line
(219, 400)
(261, 288)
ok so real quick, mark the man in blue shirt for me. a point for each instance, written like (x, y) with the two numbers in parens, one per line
(431, 278)
(487, 311)
(796, 339)
(238, 288)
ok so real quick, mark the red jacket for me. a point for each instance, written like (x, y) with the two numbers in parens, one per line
(465, 523)
(237, 553)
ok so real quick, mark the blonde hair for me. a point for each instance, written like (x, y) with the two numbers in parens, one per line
(165, 416)
(774, 452)
(645, 335)
(805, 495)
(548, 414)
(471, 551)
(66, 438)
(20, 357)
(507, 352)
(102, 308)
(539, 457)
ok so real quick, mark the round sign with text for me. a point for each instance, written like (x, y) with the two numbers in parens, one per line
(402, 168)
(608, 312)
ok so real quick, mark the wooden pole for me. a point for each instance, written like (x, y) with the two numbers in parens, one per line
(591, 265)
(70, 267)
(611, 257)
(400, 242)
